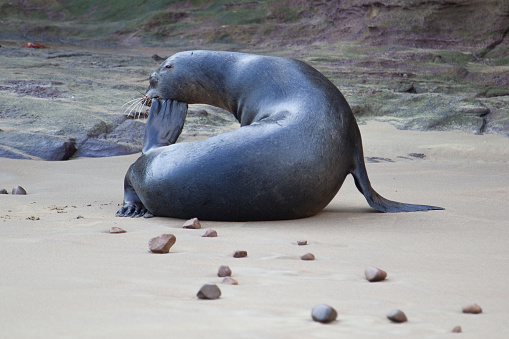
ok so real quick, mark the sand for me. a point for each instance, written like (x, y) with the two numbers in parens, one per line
(63, 277)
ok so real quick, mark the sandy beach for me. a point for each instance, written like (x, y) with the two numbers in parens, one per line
(64, 276)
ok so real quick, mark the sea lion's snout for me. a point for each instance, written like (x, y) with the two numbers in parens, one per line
(152, 91)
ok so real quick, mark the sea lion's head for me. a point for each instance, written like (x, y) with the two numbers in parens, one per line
(191, 77)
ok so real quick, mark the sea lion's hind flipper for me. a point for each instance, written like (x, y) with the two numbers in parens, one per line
(375, 200)
(164, 124)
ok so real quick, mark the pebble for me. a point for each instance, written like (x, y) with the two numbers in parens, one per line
(79, 217)
(397, 316)
(209, 292)
(457, 329)
(229, 281)
(308, 256)
(324, 314)
(240, 254)
(210, 233)
(302, 242)
(224, 271)
(474, 309)
(374, 274)
(3, 191)
(192, 224)
(116, 230)
(162, 243)
(18, 190)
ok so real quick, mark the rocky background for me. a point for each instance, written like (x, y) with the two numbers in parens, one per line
(426, 65)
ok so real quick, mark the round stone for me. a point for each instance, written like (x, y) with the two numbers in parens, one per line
(18, 190)
(324, 314)
(116, 230)
(374, 274)
(308, 256)
(162, 243)
(473, 309)
(224, 271)
(209, 292)
(209, 233)
(240, 254)
(457, 329)
(397, 316)
(229, 281)
(192, 224)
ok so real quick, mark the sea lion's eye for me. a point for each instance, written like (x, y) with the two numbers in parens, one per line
(168, 66)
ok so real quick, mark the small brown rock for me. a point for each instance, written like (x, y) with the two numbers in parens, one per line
(308, 256)
(240, 254)
(397, 316)
(210, 233)
(474, 309)
(324, 314)
(457, 329)
(302, 242)
(3, 191)
(374, 274)
(224, 271)
(209, 292)
(162, 243)
(192, 224)
(18, 190)
(229, 281)
(116, 230)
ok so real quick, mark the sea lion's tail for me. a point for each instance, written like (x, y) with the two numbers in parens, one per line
(374, 199)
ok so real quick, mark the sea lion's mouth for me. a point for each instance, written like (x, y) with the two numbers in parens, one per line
(147, 101)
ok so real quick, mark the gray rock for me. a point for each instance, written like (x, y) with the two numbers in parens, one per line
(162, 243)
(42, 146)
(130, 132)
(240, 254)
(457, 329)
(18, 190)
(473, 309)
(209, 233)
(209, 292)
(193, 223)
(308, 256)
(397, 316)
(96, 148)
(374, 274)
(229, 281)
(12, 154)
(224, 271)
(3, 191)
(116, 230)
(324, 314)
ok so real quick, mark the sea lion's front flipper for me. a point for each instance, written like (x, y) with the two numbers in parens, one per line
(164, 124)
(132, 206)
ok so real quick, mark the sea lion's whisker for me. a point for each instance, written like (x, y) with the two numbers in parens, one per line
(139, 107)
(131, 104)
(130, 101)
(132, 107)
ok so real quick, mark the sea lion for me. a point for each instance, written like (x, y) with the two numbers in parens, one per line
(297, 142)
